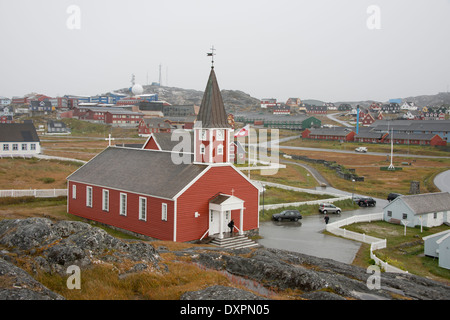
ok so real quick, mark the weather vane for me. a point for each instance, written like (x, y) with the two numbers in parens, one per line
(212, 54)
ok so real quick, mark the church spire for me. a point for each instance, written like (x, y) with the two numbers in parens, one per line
(212, 112)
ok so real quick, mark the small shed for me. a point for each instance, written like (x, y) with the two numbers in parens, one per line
(438, 246)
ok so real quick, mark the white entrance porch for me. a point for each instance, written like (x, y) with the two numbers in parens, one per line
(220, 208)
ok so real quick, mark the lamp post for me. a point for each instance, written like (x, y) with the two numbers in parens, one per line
(353, 191)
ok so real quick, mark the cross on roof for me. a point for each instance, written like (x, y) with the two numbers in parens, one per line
(109, 139)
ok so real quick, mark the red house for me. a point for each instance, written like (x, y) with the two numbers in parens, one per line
(168, 195)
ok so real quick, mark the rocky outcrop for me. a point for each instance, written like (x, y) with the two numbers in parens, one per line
(53, 247)
(319, 278)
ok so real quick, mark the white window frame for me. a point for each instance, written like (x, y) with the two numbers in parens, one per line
(142, 208)
(5, 147)
(203, 135)
(123, 204)
(105, 200)
(220, 135)
(220, 150)
(164, 211)
(74, 191)
(202, 149)
(89, 197)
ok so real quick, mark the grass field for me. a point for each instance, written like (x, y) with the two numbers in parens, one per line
(378, 183)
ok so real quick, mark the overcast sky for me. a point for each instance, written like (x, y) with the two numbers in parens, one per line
(330, 50)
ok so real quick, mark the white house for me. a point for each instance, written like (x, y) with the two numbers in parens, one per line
(438, 246)
(408, 106)
(18, 140)
(427, 210)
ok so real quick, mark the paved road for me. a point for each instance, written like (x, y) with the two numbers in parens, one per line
(442, 181)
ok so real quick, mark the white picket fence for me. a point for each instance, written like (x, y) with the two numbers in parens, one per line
(38, 193)
(375, 243)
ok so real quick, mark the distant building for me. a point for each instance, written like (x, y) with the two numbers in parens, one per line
(40, 107)
(153, 125)
(4, 101)
(316, 109)
(268, 103)
(335, 133)
(18, 140)
(57, 127)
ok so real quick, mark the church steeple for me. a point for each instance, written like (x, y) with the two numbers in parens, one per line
(212, 132)
(212, 112)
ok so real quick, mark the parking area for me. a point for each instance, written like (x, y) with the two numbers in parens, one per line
(306, 235)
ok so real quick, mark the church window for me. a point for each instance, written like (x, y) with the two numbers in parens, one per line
(123, 204)
(203, 135)
(74, 191)
(89, 197)
(143, 208)
(164, 212)
(220, 149)
(105, 202)
(220, 135)
(202, 149)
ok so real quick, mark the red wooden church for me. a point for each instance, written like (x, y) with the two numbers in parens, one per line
(145, 191)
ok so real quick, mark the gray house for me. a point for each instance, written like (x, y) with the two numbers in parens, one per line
(427, 210)
(438, 246)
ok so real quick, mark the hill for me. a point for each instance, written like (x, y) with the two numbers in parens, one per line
(234, 100)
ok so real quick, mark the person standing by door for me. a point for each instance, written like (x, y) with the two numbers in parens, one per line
(231, 226)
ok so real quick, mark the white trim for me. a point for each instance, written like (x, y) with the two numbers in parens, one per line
(211, 146)
(74, 191)
(156, 141)
(220, 150)
(175, 221)
(121, 213)
(105, 207)
(142, 206)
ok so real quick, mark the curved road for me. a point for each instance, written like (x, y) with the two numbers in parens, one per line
(442, 181)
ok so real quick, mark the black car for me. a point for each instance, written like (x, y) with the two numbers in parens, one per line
(392, 196)
(366, 202)
(292, 215)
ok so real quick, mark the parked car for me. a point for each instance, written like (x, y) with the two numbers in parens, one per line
(328, 207)
(392, 196)
(366, 202)
(292, 215)
(361, 149)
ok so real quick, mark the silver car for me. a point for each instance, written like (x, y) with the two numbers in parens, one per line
(328, 207)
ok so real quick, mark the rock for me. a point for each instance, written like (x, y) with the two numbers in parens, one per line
(55, 246)
(314, 276)
(16, 284)
(220, 293)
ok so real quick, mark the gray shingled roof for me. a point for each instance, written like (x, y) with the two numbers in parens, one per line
(164, 140)
(18, 132)
(428, 202)
(142, 171)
